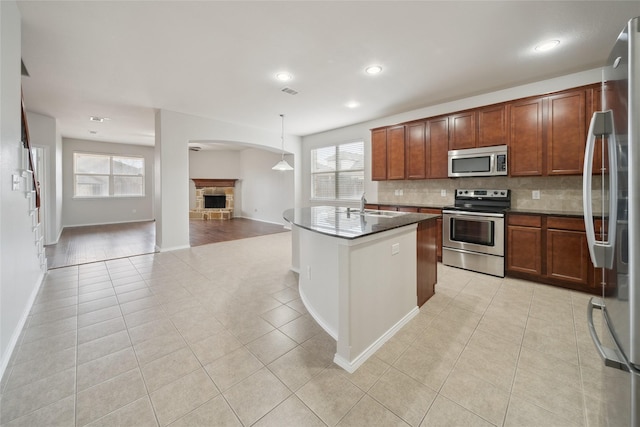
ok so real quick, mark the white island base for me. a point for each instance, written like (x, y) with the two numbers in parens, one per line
(361, 291)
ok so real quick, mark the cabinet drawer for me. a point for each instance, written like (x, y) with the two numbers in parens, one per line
(387, 208)
(561, 223)
(431, 211)
(407, 209)
(525, 220)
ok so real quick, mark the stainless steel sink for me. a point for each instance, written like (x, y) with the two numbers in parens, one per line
(376, 213)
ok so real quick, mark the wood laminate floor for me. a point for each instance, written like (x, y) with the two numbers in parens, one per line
(81, 245)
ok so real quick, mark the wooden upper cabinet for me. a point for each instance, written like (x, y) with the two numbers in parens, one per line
(395, 153)
(566, 133)
(525, 137)
(462, 128)
(437, 139)
(379, 154)
(416, 157)
(492, 126)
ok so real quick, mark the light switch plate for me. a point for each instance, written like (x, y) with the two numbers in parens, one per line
(535, 194)
(443, 193)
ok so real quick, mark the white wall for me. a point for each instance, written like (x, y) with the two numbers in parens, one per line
(43, 132)
(77, 212)
(361, 131)
(266, 193)
(173, 132)
(20, 273)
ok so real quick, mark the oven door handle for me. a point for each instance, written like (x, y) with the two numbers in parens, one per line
(467, 213)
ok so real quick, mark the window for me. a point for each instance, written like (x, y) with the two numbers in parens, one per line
(101, 175)
(337, 172)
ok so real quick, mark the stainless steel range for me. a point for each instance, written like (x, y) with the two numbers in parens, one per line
(473, 230)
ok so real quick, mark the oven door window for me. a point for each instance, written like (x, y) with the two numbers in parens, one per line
(479, 232)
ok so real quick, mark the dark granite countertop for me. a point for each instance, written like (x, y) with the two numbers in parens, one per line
(410, 205)
(342, 223)
(547, 212)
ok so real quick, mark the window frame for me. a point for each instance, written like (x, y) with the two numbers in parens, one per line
(111, 176)
(336, 173)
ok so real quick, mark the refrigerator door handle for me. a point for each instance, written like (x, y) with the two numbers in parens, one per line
(610, 356)
(601, 251)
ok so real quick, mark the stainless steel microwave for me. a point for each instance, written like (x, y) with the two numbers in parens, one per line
(485, 161)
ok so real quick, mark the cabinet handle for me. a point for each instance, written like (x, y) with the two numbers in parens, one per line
(601, 251)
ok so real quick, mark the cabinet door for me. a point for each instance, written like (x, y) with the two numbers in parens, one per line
(462, 130)
(379, 154)
(395, 153)
(524, 249)
(492, 126)
(437, 136)
(525, 138)
(566, 133)
(567, 256)
(416, 156)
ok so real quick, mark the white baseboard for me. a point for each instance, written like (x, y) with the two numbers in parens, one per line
(351, 366)
(106, 223)
(261, 220)
(4, 362)
(172, 248)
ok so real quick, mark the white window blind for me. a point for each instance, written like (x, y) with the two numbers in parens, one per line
(337, 172)
(101, 175)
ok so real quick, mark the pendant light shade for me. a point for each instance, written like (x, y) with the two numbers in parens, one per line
(282, 165)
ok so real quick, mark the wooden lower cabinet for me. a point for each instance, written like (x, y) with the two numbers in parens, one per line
(439, 229)
(524, 249)
(551, 250)
(568, 256)
(427, 274)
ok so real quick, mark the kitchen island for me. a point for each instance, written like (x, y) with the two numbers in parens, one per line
(363, 275)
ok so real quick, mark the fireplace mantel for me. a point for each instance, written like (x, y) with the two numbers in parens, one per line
(208, 182)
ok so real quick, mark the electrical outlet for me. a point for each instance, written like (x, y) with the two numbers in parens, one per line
(400, 192)
(535, 194)
(395, 249)
(443, 193)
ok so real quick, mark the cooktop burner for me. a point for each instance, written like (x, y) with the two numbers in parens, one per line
(482, 200)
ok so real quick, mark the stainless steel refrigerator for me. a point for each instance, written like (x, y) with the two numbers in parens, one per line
(612, 194)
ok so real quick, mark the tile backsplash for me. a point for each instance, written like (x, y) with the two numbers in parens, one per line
(557, 193)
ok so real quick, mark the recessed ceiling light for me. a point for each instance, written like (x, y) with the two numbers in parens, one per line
(98, 119)
(284, 77)
(373, 69)
(352, 104)
(548, 45)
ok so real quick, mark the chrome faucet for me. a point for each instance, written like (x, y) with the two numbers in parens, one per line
(363, 202)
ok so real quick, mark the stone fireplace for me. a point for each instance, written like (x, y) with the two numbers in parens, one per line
(214, 199)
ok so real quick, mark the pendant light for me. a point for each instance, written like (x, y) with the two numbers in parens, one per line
(282, 165)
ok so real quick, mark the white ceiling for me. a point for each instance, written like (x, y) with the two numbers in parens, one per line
(124, 59)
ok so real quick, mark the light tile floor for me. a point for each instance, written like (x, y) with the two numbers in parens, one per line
(217, 335)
